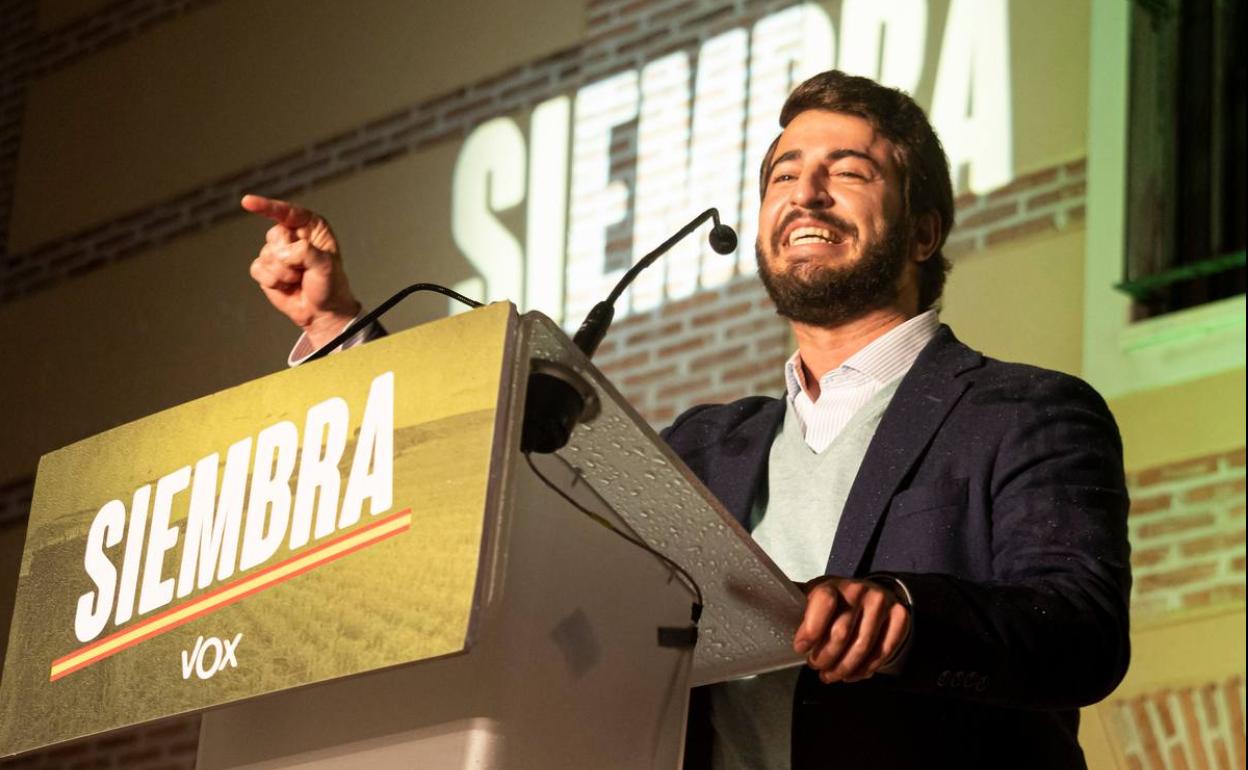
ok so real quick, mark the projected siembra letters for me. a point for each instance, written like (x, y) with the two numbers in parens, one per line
(700, 137)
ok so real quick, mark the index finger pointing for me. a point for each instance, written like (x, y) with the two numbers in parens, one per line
(285, 214)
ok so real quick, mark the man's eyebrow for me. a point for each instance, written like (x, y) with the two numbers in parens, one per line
(848, 153)
(834, 156)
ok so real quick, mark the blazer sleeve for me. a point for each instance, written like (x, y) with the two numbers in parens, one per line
(1050, 629)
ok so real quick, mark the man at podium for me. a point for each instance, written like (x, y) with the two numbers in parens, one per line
(958, 523)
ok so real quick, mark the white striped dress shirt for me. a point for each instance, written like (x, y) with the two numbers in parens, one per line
(844, 390)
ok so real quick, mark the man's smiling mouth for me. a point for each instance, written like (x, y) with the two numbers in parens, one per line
(805, 235)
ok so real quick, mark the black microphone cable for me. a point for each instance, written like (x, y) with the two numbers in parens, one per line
(362, 323)
(668, 636)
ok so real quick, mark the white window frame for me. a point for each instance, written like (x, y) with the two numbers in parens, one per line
(1121, 356)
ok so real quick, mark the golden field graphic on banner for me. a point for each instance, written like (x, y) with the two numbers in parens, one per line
(316, 523)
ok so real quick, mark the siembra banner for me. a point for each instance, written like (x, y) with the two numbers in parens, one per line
(313, 524)
(703, 123)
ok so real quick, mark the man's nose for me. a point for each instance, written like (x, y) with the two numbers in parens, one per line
(811, 193)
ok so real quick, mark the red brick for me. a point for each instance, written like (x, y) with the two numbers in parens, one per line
(1187, 706)
(1150, 504)
(1144, 726)
(660, 416)
(779, 341)
(716, 358)
(630, 321)
(648, 376)
(1171, 524)
(1021, 230)
(1148, 557)
(720, 314)
(1234, 705)
(1221, 490)
(1208, 544)
(1208, 597)
(1193, 573)
(681, 306)
(965, 200)
(172, 728)
(749, 370)
(1077, 167)
(630, 361)
(989, 215)
(1072, 190)
(684, 346)
(69, 750)
(1237, 564)
(1235, 459)
(751, 327)
(1235, 511)
(749, 285)
(645, 335)
(132, 758)
(1180, 471)
(1025, 182)
(682, 387)
(1076, 214)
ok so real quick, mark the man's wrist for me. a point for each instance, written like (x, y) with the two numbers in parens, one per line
(306, 346)
(325, 327)
(899, 588)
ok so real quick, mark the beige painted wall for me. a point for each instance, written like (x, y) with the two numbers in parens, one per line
(1022, 301)
(235, 83)
(1180, 422)
(185, 320)
(1049, 60)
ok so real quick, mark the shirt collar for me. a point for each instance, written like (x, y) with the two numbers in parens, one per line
(886, 358)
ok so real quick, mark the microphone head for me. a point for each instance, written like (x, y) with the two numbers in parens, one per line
(723, 239)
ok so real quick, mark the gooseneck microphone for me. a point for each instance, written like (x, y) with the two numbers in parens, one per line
(554, 405)
(723, 239)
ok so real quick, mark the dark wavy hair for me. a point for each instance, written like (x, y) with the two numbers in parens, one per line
(918, 154)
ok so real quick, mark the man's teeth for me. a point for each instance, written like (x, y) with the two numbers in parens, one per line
(812, 235)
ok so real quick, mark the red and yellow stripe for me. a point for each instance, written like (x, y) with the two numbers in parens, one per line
(232, 592)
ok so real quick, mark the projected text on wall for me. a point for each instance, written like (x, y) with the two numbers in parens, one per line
(703, 123)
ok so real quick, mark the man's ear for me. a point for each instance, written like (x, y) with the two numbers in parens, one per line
(926, 236)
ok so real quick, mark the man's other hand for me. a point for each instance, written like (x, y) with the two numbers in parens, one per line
(300, 269)
(850, 628)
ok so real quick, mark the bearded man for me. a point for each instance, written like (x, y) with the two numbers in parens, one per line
(958, 523)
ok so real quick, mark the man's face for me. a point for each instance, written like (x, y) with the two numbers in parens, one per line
(831, 243)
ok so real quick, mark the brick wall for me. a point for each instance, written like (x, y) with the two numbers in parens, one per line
(1184, 728)
(166, 745)
(1187, 534)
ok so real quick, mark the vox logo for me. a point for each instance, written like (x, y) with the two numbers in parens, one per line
(210, 656)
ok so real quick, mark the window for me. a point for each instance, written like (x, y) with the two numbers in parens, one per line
(1186, 172)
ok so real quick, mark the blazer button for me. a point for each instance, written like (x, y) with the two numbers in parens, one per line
(943, 679)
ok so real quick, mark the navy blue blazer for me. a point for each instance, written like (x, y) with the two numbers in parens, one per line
(996, 492)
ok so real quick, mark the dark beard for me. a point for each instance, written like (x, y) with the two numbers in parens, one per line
(831, 296)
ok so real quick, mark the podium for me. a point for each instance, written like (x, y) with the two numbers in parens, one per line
(557, 642)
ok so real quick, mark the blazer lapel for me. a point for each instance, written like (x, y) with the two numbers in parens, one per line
(922, 401)
(741, 460)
